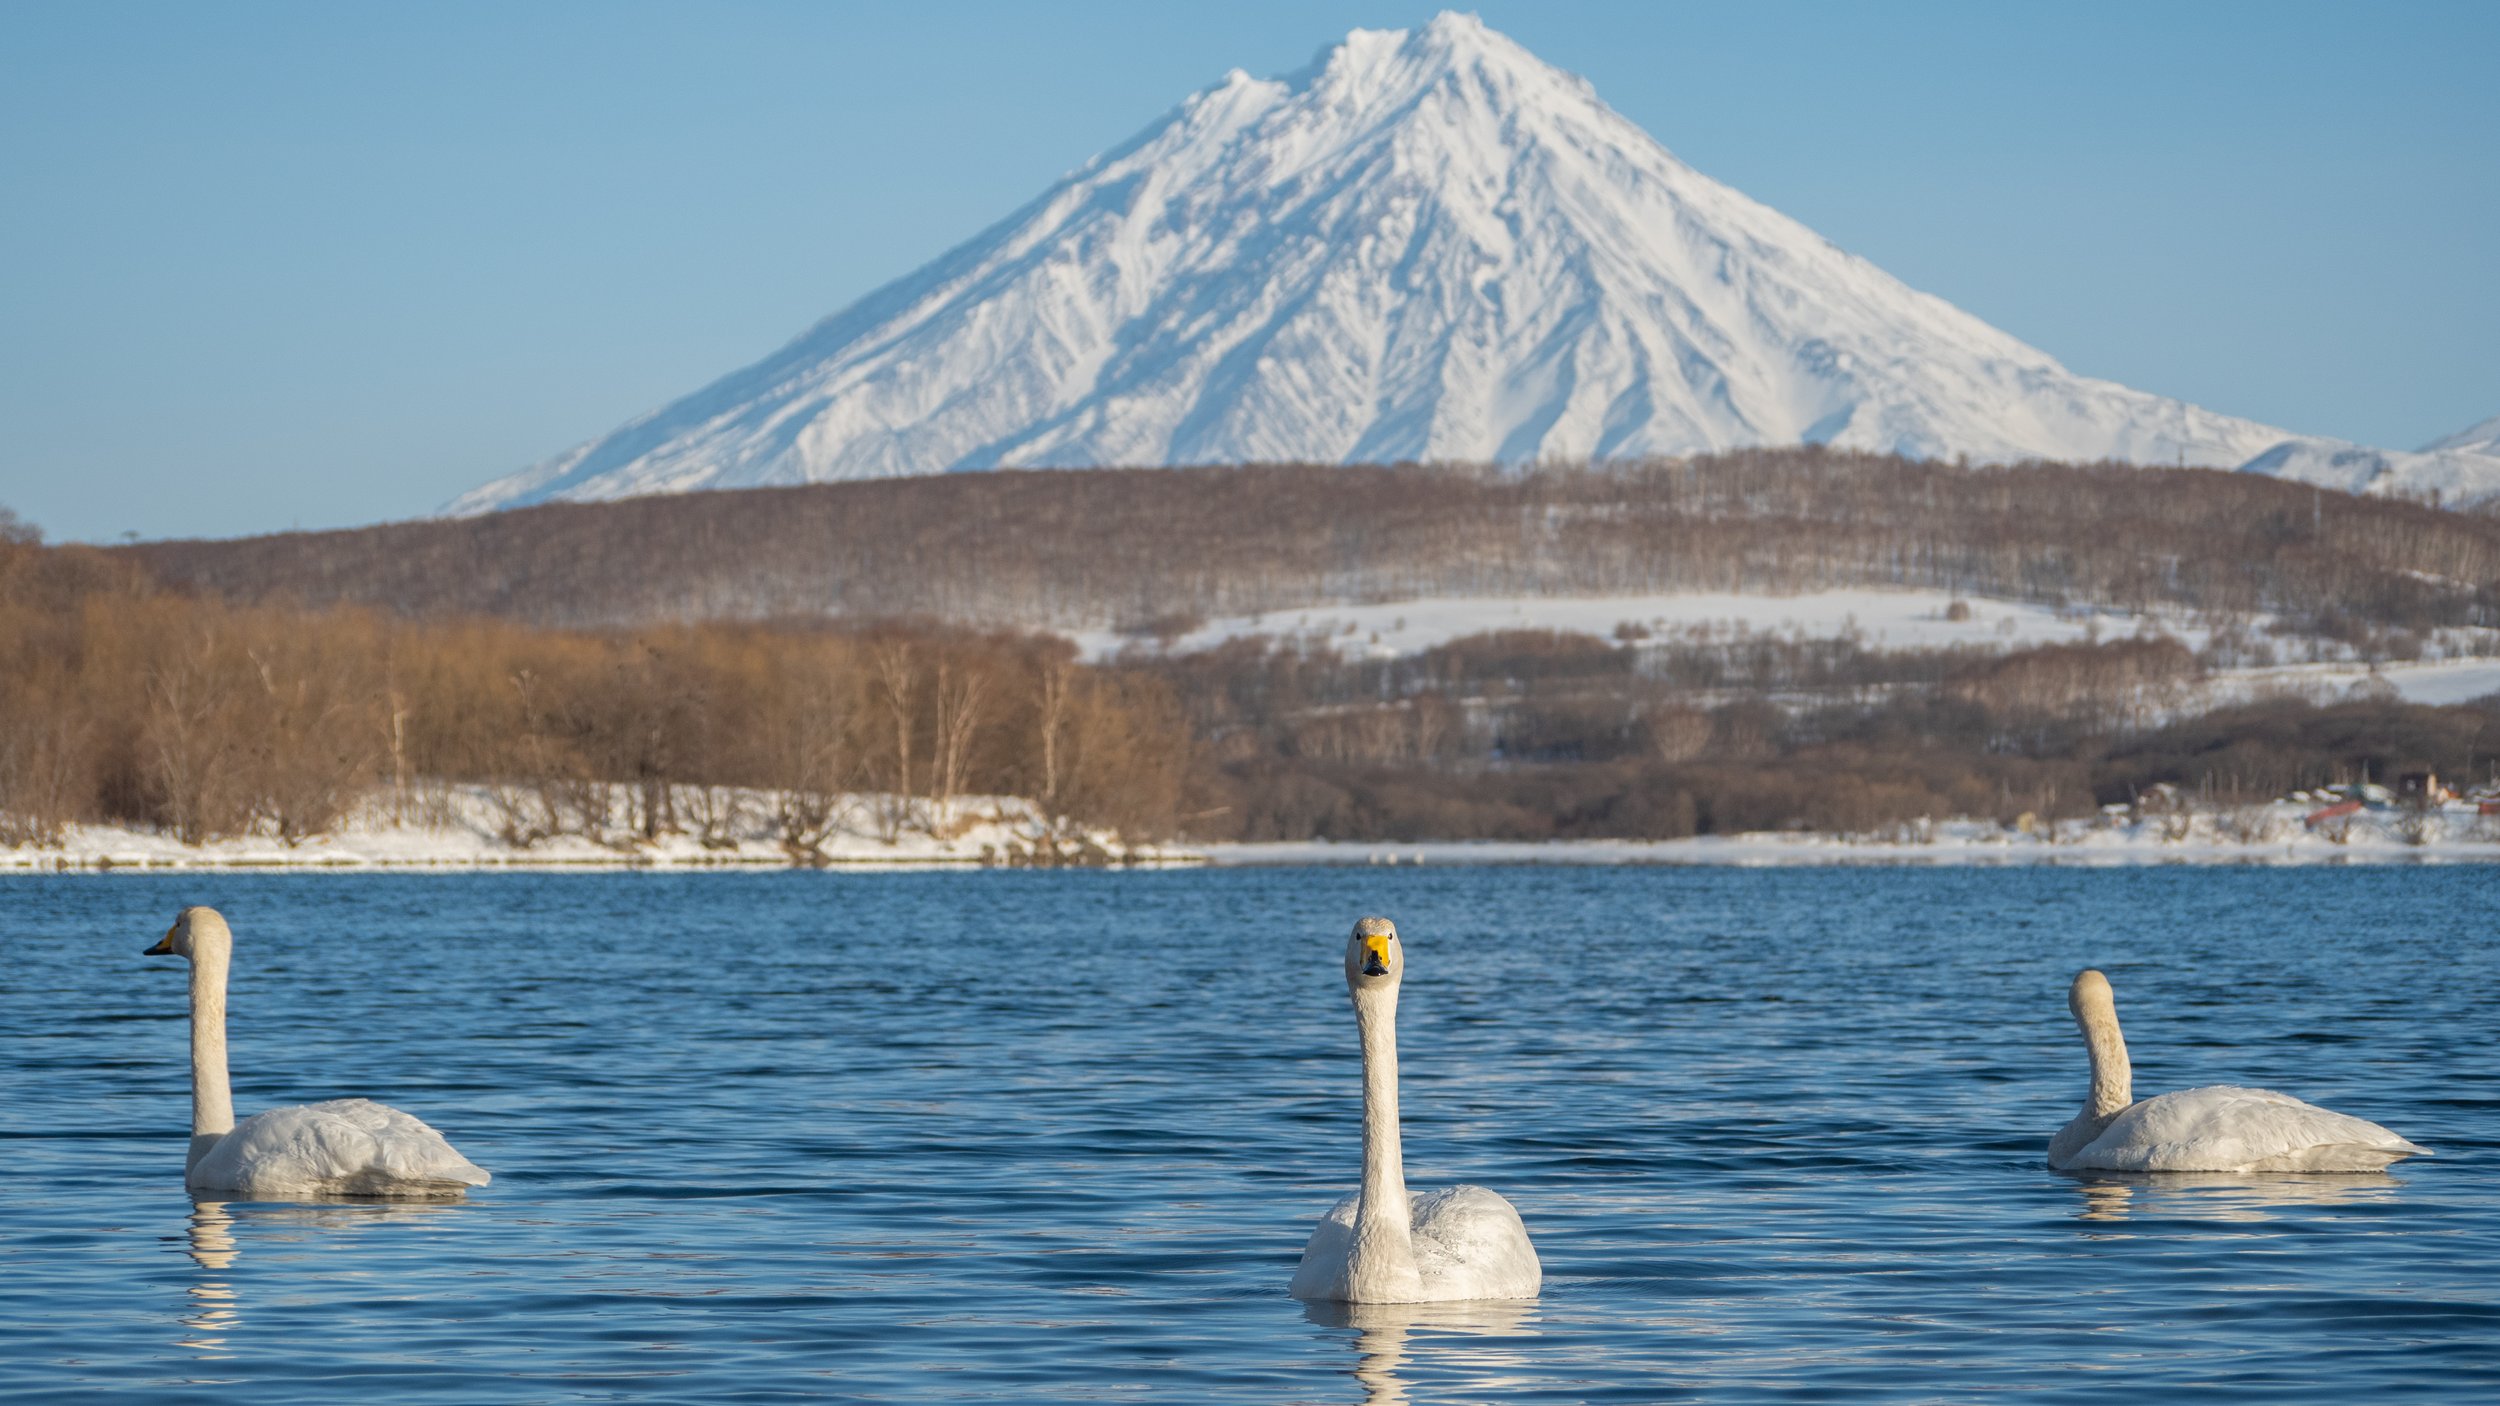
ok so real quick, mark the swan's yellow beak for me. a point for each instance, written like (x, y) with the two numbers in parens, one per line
(1376, 954)
(164, 946)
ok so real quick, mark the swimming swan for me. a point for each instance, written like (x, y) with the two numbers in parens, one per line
(2218, 1129)
(346, 1147)
(1378, 1246)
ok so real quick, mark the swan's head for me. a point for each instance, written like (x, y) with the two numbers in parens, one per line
(1372, 957)
(193, 929)
(2090, 998)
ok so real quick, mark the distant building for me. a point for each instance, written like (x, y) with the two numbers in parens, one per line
(2421, 790)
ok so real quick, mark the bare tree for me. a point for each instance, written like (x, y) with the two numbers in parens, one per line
(1050, 722)
(313, 759)
(1678, 734)
(44, 772)
(895, 678)
(191, 737)
(958, 704)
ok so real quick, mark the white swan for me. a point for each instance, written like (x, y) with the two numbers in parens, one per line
(1378, 1245)
(2218, 1129)
(346, 1147)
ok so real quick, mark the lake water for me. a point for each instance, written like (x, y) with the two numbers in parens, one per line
(1016, 1136)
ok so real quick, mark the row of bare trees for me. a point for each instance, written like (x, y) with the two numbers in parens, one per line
(119, 702)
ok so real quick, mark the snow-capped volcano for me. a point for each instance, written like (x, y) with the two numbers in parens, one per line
(1427, 245)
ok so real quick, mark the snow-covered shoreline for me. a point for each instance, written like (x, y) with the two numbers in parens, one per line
(465, 828)
(464, 836)
(1777, 851)
(2275, 832)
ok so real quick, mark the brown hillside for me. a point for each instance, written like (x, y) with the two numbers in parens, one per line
(1132, 546)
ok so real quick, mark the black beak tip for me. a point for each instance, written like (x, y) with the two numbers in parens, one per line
(1374, 968)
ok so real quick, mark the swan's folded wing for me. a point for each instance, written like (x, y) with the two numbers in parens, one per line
(2229, 1129)
(348, 1146)
(1470, 1243)
(406, 1147)
(283, 1151)
(1322, 1270)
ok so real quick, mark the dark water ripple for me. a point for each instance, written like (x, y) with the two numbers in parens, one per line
(1015, 1137)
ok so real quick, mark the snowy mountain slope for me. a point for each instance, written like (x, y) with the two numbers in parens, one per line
(2473, 439)
(2462, 468)
(1428, 245)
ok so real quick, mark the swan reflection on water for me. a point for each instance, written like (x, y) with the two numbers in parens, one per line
(1463, 1337)
(2224, 1196)
(213, 1310)
(214, 1243)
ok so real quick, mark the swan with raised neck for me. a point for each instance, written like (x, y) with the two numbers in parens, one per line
(2221, 1128)
(343, 1147)
(201, 935)
(1382, 1245)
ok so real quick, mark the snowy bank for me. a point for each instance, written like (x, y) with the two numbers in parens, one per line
(2272, 834)
(481, 827)
(470, 827)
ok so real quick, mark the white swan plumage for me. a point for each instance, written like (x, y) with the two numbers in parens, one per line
(344, 1147)
(1381, 1245)
(2219, 1129)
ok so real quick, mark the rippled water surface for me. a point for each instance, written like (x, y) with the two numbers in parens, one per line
(994, 1136)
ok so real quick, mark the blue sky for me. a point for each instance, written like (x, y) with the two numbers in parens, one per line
(277, 265)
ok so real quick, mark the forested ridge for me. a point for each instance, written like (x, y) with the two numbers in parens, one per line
(1063, 549)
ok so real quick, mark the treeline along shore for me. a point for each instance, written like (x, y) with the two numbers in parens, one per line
(889, 638)
(121, 702)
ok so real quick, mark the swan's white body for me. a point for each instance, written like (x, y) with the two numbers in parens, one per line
(1463, 1243)
(345, 1147)
(2217, 1129)
(1381, 1245)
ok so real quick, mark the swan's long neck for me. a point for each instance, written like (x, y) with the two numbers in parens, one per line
(212, 1102)
(1381, 1263)
(2113, 1081)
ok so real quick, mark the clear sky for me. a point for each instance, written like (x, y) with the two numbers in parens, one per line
(277, 265)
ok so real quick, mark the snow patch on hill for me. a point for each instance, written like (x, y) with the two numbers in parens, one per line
(2456, 666)
(1879, 619)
